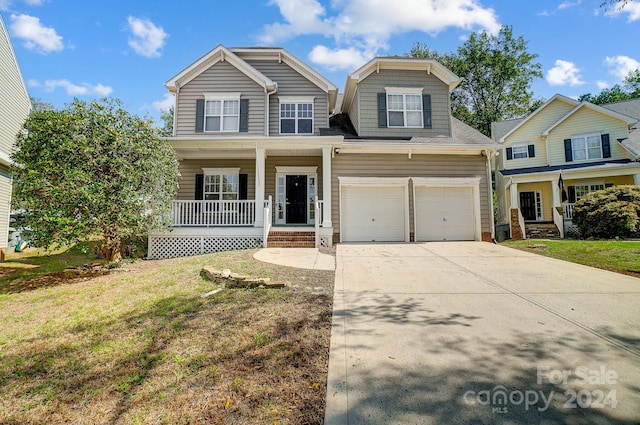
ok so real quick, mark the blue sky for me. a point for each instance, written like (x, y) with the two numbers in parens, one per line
(129, 49)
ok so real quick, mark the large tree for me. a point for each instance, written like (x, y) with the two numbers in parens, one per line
(630, 89)
(497, 72)
(167, 119)
(92, 169)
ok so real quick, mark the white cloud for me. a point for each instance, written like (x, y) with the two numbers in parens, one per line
(632, 8)
(564, 73)
(167, 102)
(368, 24)
(602, 85)
(6, 4)
(621, 66)
(83, 89)
(338, 59)
(147, 38)
(568, 4)
(35, 35)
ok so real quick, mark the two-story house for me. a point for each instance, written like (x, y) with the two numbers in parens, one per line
(555, 156)
(270, 154)
(15, 106)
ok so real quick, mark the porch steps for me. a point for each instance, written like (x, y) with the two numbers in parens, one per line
(284, 239)
(542, 231)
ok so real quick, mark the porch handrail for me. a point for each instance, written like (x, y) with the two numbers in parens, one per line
(568, 211)
(318, 219)
(213, 213)
(267, 222)
(558, 220)
(521, 224)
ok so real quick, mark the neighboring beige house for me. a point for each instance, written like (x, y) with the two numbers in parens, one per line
(15, 106)
(591, 147)
(270, 154)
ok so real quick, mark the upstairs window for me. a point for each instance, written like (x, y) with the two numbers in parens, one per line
(222, 113)
(296, 115)
(586, 147)
(404, 107)
(520, 151)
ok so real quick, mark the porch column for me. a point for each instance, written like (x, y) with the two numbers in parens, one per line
(260, 155)
(557, 200)
(514, 195)
(326, 186)
(636, 179)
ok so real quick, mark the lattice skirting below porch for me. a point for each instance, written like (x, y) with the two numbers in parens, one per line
(183, 246)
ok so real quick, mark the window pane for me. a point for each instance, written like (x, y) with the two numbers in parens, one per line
(414, 119)
(211, 197)
(394, 101)
(579, 155)
(287, 110)
(231, 107)
(593, 141)
(414, 102)
(594, 153)
(396, 119)
(212, 124)
(287, 126)
(230, 196)
(212, 107)
(305, 126)
(230, 123)
(578, 143)
(305, 110)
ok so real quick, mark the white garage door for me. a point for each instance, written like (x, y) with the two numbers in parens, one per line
(445, 214)
(373, 213)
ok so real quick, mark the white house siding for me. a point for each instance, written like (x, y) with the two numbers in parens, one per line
(375, 83)
(291, 83)
(382, 165)
(222, 77)
(5, 204)
(587, 121)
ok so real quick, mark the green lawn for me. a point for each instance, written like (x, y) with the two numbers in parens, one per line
(618, 256)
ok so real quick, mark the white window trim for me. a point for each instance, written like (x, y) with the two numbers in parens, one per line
(297, 100)
(585, 136)
(221, 172)
(404, 91)
(520, 145)
(283, 172)
(221, 97)
(588, 185)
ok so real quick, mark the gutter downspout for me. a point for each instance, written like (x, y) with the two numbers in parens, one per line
(266, 108)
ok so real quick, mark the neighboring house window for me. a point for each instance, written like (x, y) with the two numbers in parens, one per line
(296, 115)
(404, 107)
(521, 151)
(221, 184)
(583, 190)
(586, 147)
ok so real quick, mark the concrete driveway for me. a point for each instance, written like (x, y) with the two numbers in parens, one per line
(443, 333)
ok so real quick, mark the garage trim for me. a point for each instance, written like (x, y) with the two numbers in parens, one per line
(377, 182)
(472, 182)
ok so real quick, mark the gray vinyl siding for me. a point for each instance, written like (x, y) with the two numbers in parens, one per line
(291, 83)
(219, 78)
(5, 204)
(380, 165)
(14, 99)
(376, 83)
(354, 115)
(190, 167)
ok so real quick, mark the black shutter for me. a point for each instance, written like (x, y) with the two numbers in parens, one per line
(198, 196)
(568, 153)
(509, 153)
(382, 109)
(572, 194)
(426, 110)
(244, 115)
(243, 183)
(606, 146)
(199, 115)
(532, 151)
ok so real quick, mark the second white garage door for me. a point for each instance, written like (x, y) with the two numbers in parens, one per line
(373, 213)
(445, 213)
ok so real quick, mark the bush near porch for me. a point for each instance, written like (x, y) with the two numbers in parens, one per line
(617, 256)
(608, 213)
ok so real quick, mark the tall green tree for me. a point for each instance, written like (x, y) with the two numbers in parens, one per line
(630, 89)
(167, 119)
(497, 71)
(93, 169)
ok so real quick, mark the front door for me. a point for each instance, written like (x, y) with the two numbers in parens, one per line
(296, 199)
(528, 205)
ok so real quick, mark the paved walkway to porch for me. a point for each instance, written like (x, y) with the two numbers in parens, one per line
(301, 258)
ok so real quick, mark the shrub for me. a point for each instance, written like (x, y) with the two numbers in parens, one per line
(608, 213)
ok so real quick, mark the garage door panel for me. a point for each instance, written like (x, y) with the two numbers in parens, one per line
(373, 214)
(445, 213)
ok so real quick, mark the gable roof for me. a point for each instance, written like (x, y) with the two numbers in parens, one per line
(430, 66)
(555, 97)
(218, 54)
(596, 108)
(632, 143)
(500, 128)
(461, 134)
(630, 108)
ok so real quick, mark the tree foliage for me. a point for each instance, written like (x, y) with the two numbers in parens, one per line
(92, 169)
(608, 213)
(167, 118)
(497, 72)
(630, 89)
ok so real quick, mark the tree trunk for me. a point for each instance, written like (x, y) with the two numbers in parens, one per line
(111, 248)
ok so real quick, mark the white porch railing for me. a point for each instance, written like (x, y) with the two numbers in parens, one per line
(558, 220)
(213, 213)
(267, 221)
(318, 219)
(568, 211)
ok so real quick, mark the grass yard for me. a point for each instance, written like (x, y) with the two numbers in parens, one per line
(617, 256)
(140, 346)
